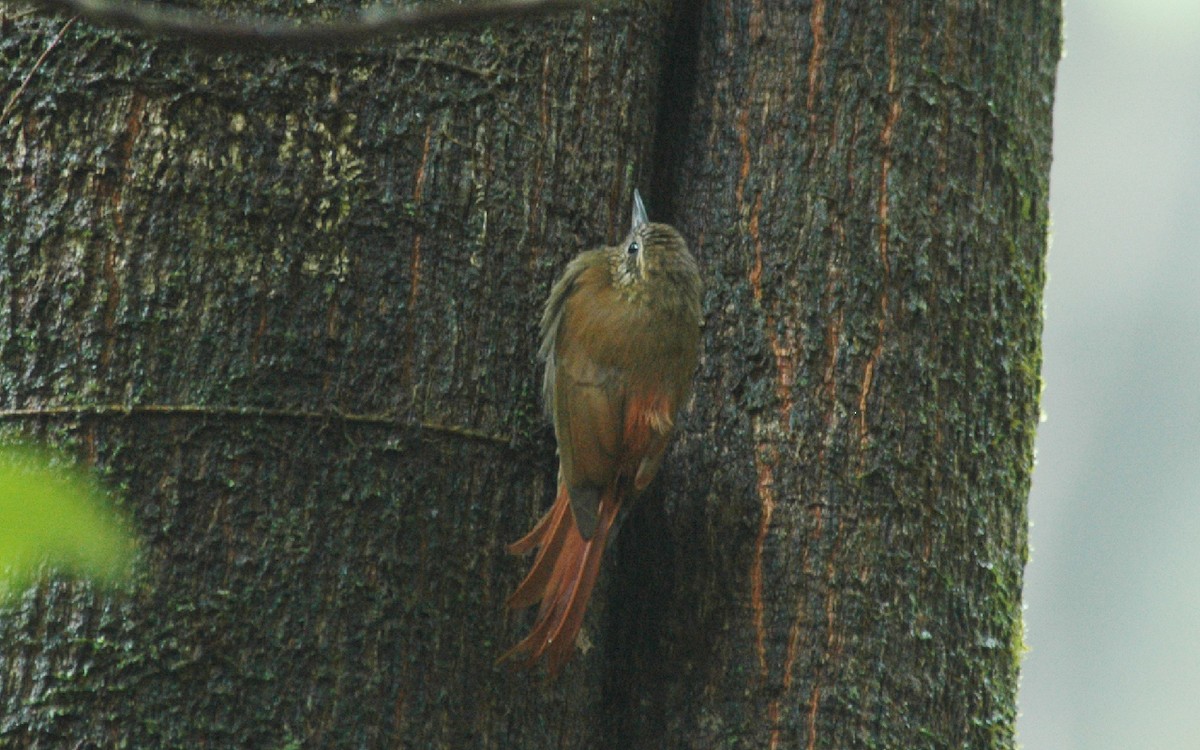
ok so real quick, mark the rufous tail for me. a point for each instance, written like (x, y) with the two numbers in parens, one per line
(562, 577)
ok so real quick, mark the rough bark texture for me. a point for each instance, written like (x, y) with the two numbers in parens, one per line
(359, 244)
(288, 304)
(867, 190)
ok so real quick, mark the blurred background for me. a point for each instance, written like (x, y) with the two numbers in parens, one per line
(1113, 587)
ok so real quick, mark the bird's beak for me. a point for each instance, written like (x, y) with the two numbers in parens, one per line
(639, 211)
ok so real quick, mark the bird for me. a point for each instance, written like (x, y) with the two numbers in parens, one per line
(620, 337)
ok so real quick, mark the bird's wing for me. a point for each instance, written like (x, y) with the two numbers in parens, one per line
(585, 384)
(588, 411)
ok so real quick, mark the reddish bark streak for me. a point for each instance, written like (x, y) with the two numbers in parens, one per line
(793, 649)
(773, 722)
(813, 702)
(817, 59)
(414, 265)
(544, 108)
(113, 286)
(728, 25)
(756, 22)
(109, 188)
(757, 268)
(766, 493)
(781, 346)
(258, 333)
(889, 126)
(743, 128)
(833, 336)
(831, 598)
(133, 129)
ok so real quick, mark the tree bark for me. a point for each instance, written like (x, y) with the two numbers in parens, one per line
(288, 304)
(839, 560)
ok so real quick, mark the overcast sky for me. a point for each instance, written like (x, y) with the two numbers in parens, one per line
(1113, 589)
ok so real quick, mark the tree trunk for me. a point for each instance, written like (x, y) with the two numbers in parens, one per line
(839, 559)
(288, 304)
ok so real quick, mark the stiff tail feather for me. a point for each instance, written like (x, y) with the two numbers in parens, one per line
(562, 577)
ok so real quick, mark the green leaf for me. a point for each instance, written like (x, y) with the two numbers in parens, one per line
(56, 515)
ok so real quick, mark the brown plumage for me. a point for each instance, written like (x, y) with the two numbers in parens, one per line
(621, 339)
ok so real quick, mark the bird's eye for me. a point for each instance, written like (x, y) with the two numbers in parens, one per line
(633, 248)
